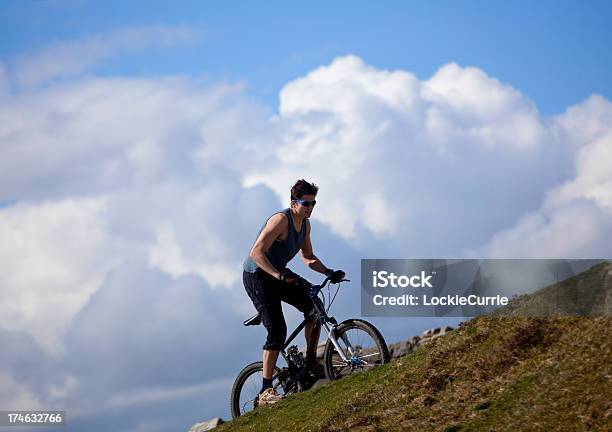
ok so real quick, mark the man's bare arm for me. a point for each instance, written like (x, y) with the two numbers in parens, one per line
(308, 256)
(273, 229)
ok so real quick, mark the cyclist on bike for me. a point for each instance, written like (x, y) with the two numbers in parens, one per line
(268, 281)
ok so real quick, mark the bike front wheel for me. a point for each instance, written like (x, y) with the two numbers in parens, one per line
(363, 347)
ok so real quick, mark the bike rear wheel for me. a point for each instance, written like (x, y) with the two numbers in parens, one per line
(245, 392)
(361, 343)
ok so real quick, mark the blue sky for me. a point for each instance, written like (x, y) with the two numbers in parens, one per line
(555, 52)
(143, 144)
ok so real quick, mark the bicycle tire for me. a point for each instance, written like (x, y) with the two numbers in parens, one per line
(242, 377)
(330, 372)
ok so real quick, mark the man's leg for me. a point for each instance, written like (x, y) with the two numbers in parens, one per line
(312, 331)
(277, 331)
(268, 304)
(269, 362)
(298, 297)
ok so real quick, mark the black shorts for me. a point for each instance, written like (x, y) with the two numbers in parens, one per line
(266, 293)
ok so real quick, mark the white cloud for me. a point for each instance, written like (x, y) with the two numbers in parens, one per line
(112, 133)
(165, 339)
(53, 256)
(575, 218)
(137, 200)
(575, 230)
(379, 216)
(593, 175)
(158, 393)
(171, 156)
(431, 152)
(68, 58)
(203, 230)
(466, 104)
(108, 171)
(345, 86)
(584, 122)
(14, 393)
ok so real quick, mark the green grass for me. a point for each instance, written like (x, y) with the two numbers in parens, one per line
(494, 373)
(583, 294)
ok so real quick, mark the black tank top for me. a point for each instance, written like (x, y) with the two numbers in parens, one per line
(283, 251)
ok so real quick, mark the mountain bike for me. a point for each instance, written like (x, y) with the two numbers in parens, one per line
(352, 346)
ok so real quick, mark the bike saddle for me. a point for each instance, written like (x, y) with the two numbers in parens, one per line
(254, 320)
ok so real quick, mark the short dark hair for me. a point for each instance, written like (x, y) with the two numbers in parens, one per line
(302, 187)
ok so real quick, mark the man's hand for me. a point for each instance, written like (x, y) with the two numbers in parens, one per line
(287, 276)
(335, 276)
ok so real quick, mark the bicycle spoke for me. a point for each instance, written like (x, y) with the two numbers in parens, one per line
(250, 392)
(247, 404)
(369, 355)
(358, 346)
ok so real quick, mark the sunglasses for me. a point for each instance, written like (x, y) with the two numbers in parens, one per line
(305, 203)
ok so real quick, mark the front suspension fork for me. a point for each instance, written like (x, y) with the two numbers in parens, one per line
(331, 335)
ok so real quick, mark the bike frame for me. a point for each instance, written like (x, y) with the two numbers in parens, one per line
(328, 323)
(294, 378)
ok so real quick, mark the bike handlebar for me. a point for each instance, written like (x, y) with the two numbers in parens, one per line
(314, 290)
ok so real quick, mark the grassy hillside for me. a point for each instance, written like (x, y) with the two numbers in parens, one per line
(502, 373)
(586, 294)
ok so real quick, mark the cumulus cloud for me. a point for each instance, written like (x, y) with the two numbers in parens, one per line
(578, 229)
(103, 169)
(132, 203)
(594, 180)
(124, 188)
(575, 218)
(53, 256)
(466, 104)
(167, 335)
(402, 157)
(13, 392)
(143, 338)
(111, 133)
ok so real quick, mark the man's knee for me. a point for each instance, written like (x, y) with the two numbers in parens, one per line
(274, 344)
(277, 334)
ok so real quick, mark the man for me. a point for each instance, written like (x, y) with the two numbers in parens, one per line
(267, 280)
